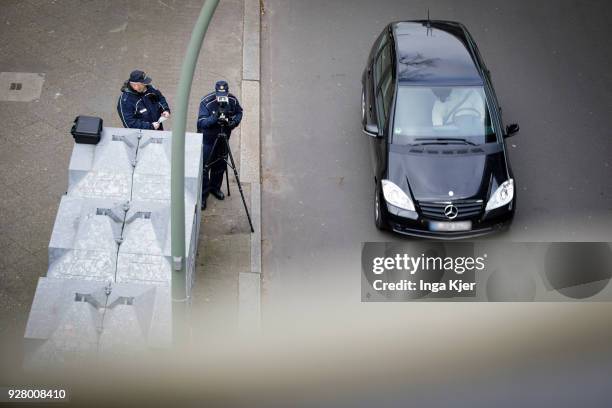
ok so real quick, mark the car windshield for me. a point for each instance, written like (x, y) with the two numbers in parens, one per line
(442, 115)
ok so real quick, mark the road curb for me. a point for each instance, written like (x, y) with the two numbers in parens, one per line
(249, 141)
(249, 283)
(249, 301)
(251, 41)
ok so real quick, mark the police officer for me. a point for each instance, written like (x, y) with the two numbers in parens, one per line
(211, 122)
(141, 105)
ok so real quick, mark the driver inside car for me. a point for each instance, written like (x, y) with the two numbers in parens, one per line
(454, 103)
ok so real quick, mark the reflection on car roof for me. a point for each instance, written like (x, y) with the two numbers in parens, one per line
(434, 55)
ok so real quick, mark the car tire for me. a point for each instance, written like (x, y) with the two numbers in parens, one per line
(379, 214)
(506, 229)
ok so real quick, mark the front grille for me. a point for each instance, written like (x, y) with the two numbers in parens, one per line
(466, 209)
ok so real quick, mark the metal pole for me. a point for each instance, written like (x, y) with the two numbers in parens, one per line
(179, 281)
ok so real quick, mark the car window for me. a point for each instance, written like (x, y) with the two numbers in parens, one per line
(423, 112)
(382, 63)
(384, 98)
(386, 89)
(382, 41)
(382, 118)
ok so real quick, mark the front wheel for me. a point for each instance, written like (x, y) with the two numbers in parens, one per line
(379, 219)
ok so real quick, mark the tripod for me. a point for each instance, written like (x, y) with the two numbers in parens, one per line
(228, 153)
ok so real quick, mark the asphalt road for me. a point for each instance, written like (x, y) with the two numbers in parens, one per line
(550, 63)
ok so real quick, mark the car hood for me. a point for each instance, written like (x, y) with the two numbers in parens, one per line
(469, 172)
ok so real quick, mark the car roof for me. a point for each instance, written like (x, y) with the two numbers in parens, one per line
(434, 53)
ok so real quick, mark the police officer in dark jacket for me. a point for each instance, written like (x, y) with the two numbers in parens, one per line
(216, 117)
(141, 105)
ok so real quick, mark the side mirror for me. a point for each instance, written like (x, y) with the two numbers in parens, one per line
(512, 129)
(371, 130)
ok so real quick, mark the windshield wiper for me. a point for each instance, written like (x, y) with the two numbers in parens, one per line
(442, 140)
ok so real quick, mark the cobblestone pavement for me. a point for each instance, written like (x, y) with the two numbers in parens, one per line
(86, 49)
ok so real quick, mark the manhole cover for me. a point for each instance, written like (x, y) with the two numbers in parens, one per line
(20, 86)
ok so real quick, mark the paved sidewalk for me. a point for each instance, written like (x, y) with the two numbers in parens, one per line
(85, 54)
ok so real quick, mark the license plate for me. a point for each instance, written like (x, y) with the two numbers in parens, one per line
(450, 226)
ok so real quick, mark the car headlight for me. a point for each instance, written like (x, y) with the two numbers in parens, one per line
(502, 196)
(396, 196)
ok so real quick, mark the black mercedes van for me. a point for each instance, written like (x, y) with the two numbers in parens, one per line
(436, 134)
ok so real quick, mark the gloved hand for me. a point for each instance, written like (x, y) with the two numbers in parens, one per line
(222, 120)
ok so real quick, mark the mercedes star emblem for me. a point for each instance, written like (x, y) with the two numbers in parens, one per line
(451, 211)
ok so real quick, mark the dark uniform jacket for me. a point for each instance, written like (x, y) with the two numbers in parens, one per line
(140, 110)
(208, 116)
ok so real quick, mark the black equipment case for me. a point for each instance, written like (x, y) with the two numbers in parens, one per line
(87, 129)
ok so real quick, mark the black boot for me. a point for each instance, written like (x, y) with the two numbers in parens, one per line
(218, 194)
